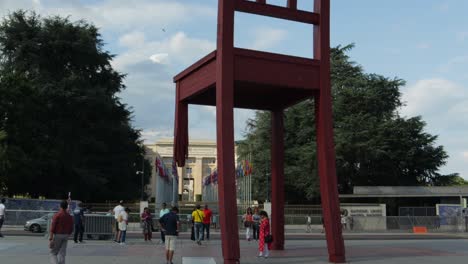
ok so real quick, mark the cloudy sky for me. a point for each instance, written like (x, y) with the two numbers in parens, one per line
(424, 42)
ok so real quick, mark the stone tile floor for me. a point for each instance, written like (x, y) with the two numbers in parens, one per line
(24, 249)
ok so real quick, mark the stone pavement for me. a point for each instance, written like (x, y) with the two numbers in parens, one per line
(16, 250)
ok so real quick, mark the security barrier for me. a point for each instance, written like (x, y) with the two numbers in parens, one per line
(99, 226)
(96, 226)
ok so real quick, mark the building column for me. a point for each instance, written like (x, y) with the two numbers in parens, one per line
(277, 180)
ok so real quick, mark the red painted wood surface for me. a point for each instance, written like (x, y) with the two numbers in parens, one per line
(231, 77)
(199, 80)
(225, 132)
(180, 130)
(277, 179)
(292, 4)
(325, 145)
(277, 12)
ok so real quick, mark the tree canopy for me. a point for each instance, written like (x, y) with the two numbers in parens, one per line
(67, 128)
(374, 144)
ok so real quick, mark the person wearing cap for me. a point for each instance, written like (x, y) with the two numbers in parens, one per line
(162, 212)
(118, 211)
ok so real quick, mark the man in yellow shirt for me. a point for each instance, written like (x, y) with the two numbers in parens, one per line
(197, 217)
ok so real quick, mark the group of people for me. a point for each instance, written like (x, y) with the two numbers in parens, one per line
(201, 222)
(121, 214)
(257, 227)
(65, 221)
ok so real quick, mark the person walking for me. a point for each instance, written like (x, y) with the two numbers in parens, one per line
(162, 212)
(256, 224)
(2, 214)
(170, 224)
(78, 219)
(308, 224)
(206, 222)
(60, 230)
(198, 217)
(264, 242)
(123, 223)
(147, 221)
(117, 211)
(248, 223)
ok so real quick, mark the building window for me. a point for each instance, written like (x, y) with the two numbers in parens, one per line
(188, 170)
(208, 171)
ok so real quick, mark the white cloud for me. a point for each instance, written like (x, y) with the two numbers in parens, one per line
(122, 15)
(430, 96)
(443, 104)
(135, 38)
(151, 135)
(161, 58)
(267, 38)
(179, 47)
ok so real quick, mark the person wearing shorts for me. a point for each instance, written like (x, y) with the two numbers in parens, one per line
(117, 211)
(170, 225)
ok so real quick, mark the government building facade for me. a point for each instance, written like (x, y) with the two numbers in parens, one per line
(201, 162)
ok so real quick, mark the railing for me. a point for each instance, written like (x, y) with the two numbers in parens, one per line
(295, 223)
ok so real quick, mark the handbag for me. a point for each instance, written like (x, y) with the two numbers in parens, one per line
(268, 238)
(247, 224)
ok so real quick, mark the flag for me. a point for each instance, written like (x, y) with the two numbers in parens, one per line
(246, 168)
(175, 174)
(160, 167)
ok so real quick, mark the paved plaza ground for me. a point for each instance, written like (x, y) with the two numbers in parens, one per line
(33, 249)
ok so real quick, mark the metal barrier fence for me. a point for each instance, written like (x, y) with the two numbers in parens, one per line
(19, 217)
(101, 224)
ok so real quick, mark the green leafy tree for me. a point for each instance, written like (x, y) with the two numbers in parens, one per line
(374, 145)
(67, 128)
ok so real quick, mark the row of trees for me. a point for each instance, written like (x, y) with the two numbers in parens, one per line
(67, 128)
(374, 144)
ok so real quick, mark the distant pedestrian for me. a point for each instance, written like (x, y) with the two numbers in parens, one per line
(78, 219)
(60, 230)
(206, 222)
(170, 224)
(162, 212)
(264, 250)
(323, 224)
(198, 217)
(256, 224)
(248, 223)
(117, 211)
(147, 222)
(2, 214)
(309, 224)
(123, 223)
(343, 221)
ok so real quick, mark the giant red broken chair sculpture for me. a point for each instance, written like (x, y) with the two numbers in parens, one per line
(233, 77)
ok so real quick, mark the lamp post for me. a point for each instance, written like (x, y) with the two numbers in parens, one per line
(142, 173)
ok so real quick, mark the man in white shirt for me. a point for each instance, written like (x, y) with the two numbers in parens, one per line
(163, 211)
(117, 211)
(2, 214)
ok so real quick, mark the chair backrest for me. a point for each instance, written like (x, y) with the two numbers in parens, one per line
(290, 12)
